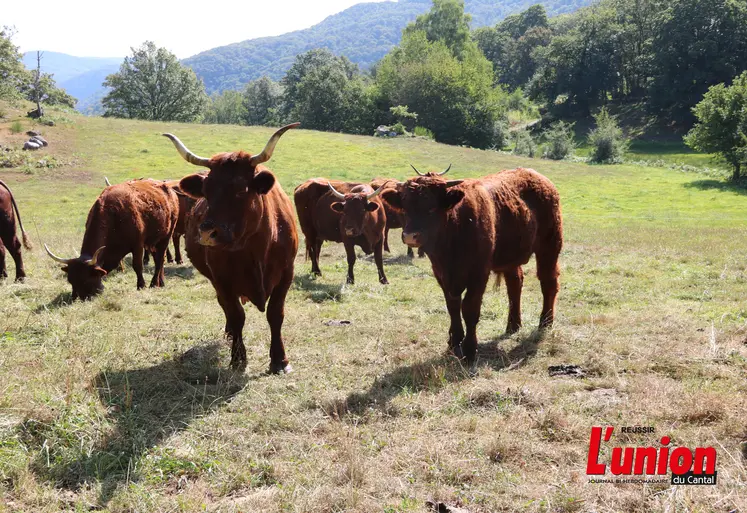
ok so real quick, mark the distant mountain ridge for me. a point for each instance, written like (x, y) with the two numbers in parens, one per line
(364, 33)
(79, 76)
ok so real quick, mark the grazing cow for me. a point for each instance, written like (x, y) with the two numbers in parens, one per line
(472, 227)
(345, 212)
(242, 236)
(8, 238)
(130, 217)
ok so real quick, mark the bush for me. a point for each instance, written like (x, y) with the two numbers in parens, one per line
(501, 134)
(423, 132)
(607, 139)
(525, 144)
(16, 127)
(559, 141)
(399, 128)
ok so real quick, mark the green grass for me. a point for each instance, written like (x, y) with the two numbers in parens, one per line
(127, 402)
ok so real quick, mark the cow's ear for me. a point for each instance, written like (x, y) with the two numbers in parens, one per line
(65, 269)
(453, 197)
(337, 207)
(98, 270)
(391, 196)
(372, 206)
(263, 182)
(192, 185)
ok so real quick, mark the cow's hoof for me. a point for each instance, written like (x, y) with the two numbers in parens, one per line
(384, 281)
(280, 368)
(511, 329)
(238, 365)
(472, 368)
(350, 281)
(179, 262)
(456, 351)
(20, 279)
(316, 272)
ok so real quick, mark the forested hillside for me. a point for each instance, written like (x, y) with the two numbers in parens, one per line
(363, 33)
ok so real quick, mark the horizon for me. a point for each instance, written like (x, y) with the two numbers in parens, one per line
(284, 16)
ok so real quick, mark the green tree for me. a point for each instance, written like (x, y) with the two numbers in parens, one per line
(13, 75)
(41, 88)
(326, 92)
(607, 140)
(226, 108)
(152, 84)
(721, 126)
(454, 98)
(697, 44)
(445, 22)
(262, 102)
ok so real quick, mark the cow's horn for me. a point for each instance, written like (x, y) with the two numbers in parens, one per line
(377, 191)
(337, 193)
(94, 261)
(452, 183)
(186, 154)
(270, 146)
(108, 183)
(56, 258)
(444, 172)
(416, 170)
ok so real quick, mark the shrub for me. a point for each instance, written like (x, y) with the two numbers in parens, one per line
(559, 141)
(501, 134)
(403, 115)
(399, 128)
(423, 132)
(607, 139)
(16, 127)
(525, 144)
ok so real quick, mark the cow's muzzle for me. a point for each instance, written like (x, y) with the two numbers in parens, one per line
(213, 235)
(412, 239)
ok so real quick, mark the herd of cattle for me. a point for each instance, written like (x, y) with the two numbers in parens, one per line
(240, 232)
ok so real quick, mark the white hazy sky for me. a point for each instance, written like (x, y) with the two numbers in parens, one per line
(88, 28)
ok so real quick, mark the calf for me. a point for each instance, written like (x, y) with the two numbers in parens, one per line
(345, 212)
(469, 228)
(8, 239)
(130, 217)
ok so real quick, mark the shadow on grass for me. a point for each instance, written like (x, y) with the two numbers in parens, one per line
(183, 272)
(740, 186)
(317, 291)
(432, 375)
(145, 406)
(62, 299)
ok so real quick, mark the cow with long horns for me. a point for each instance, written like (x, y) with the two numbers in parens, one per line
(242, 236)
(472, 227)
(8, 239)
(130, 217)
(346, 212)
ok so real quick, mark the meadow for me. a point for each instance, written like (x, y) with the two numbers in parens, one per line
(127, 402)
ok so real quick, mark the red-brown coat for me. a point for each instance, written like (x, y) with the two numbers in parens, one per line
(8, 238)
(242, 236)
(130, 217)
(502, 219)
(354, 216)
(394, 219)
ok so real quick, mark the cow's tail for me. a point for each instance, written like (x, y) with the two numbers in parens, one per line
(26, 241)
(498, 277)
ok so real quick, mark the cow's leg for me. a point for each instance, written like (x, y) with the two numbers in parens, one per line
(159, 259)
(169, 258)
(350, 251)
(146, 257)
(315, 247)
(514, 282)
(386, 240)
(410, 253)
(137, 265)
(548, 273)
(235, 318)
(378, 258)
(456, 331)
(176, 239)
(421, 252)
(14, 248)
(3, 270)
(471, 312)
(275, 315)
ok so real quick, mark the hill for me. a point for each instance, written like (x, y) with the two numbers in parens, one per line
(126, 402)
(364, 33)
(79, 76)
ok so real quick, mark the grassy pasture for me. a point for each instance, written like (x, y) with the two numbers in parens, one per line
(126, 402)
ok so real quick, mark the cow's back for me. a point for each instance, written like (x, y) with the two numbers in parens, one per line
(528, 217)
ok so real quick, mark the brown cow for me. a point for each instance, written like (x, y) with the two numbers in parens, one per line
(345, 212)
(472, 227)
(126, 218)
(8, 238)
(242, 236)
